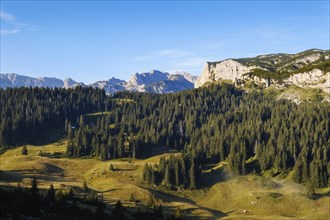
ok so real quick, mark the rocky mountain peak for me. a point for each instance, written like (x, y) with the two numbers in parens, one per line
(154, 81)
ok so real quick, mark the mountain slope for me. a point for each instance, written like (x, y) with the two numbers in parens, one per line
(160, 82)
(308, 69)
(110, 86)
(174, 83)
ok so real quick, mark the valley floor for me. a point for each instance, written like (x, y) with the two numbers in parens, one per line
(223, 195)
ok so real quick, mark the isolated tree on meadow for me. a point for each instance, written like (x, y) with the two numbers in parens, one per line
(132, 198)
(24, 150)
(85, 187)
(111, 167)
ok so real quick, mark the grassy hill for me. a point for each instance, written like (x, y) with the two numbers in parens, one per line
(223, 195)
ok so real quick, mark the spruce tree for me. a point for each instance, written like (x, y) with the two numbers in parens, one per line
(51, 193)
(34, 187)
(192, 176)
(24, 150)
(85, 187)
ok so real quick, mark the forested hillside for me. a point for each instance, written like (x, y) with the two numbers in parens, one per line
(252, 132)
(26, 112)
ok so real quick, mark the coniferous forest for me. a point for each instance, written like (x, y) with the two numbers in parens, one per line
(218, 123)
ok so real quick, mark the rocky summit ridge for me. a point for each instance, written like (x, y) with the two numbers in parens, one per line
(154, 81)
(309, 69)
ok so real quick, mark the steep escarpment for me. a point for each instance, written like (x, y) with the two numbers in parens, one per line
(308, 69)
(225, 70)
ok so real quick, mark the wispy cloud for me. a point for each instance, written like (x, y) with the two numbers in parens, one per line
(11, 31)
(10, 25)
(7, 17)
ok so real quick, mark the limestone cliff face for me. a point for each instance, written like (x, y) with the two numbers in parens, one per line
(225, 70)
(306, 69)
(314, 79)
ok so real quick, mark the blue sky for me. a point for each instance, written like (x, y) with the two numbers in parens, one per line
(97, 40)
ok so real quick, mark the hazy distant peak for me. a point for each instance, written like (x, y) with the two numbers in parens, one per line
(155, 81)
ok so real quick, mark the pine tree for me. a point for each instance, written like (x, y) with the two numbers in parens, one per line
(85, 187)
(81, 121)
(59, 196)
(24, 150)
(151, 202)
(310, 192)
(111, 167)
(51, 193)
(34, 187)
(168, 177)
(192, 176)
(145, 172)
(132, 198)
(117, 212)
(70, 194)
(66, 124)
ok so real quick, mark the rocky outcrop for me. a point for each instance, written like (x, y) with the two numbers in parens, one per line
(174, 83)
(306, 69)
(186, 75)
(314, 79)
(225, 70)
(160, 82)
(110, 86)
(139, 81)
(70, 83)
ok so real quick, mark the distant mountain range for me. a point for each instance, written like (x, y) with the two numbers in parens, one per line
(289, 74)
(154, 82)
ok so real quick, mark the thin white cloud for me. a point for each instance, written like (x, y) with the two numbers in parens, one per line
(10, 26)
(8, 32)
(6, 16)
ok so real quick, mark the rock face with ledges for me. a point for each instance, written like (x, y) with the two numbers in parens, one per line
(110, 86)
(309, 68)
(70, 83)
(225, 70)
(139, 81)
